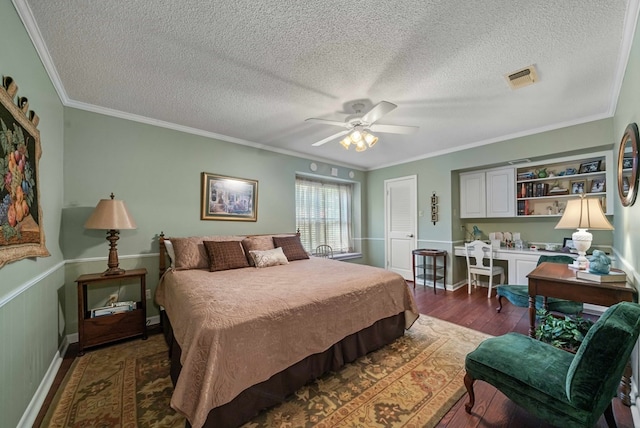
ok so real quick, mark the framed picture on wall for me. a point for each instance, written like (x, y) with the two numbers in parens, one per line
(228, 198)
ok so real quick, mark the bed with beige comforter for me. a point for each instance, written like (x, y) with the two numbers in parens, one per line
(239, 327)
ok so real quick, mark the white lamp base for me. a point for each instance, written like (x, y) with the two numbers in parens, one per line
(582, 242)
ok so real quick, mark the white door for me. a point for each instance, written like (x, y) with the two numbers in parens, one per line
(401, 200)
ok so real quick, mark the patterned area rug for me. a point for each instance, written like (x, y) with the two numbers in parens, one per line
(412, 382)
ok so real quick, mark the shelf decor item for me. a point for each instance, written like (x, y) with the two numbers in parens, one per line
(111, 215)
(582, 214)
(21, 226)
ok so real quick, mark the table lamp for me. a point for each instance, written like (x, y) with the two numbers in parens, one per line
(583, 214)
(111, 215)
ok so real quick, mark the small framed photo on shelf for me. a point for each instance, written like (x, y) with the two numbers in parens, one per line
(597, 185)
(627, 163)
(587, 167)
(568, 243)
(578, 187)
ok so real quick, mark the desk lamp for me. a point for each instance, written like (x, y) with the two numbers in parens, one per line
(582, 214)
(111, 215)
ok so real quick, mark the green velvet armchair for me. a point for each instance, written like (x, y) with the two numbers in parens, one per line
(559, 387)
(518, 295)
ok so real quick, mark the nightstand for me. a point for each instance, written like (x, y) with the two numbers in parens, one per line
(108, 328)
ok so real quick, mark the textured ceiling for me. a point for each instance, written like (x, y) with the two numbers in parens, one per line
(252, 71)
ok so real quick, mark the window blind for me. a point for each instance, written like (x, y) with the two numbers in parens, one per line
(323, 214)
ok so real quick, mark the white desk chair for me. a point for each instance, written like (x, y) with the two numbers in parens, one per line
(476, 252)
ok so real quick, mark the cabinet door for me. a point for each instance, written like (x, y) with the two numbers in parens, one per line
(523, 267)
(501, 199)
(473, 197)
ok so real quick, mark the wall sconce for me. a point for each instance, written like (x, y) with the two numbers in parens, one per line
(434, 208)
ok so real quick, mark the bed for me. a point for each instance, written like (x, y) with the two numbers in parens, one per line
(243, 337)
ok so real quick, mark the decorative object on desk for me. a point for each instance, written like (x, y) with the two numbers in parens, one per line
(582, 214)
(111, 215)
(567, 246)
(614, 275)
(434, 208)
(628, 166)
(588, 167)
(599, 262)
(565, 333)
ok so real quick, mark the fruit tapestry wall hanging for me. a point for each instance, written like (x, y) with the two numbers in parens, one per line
(21, 230)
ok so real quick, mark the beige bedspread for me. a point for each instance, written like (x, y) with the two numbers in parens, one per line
(239, 327)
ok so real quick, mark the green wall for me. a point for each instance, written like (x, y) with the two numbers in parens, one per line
(30, 289)
(157, 172)
(440, 174)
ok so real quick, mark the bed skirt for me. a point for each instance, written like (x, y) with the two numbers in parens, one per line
(275, 389)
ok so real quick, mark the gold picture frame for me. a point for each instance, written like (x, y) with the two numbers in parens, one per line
(228, 198)
(21, 230)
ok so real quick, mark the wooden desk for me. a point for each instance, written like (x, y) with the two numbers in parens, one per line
(558, 280)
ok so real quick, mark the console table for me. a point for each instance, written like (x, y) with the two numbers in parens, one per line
(558, 280)
(436, 272)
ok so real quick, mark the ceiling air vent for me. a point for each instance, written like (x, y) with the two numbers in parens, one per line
(526, 76)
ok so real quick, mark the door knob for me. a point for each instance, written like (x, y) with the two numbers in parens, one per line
(410, 236)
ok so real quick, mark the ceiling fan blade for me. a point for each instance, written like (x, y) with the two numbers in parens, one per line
(333, 137)
(394, 129)
(379, 110)
(327, 122)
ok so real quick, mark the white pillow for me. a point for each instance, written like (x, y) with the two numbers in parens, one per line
(168, 245)
(268, 258)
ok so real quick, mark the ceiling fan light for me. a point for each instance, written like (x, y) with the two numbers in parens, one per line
(346, 142)
(361, 146)
(356, 136)
(370, 139)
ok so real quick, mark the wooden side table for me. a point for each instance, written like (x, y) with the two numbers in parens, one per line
(436, 273)
(108, 328)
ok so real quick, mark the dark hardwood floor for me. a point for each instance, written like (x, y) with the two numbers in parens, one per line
(476, 311)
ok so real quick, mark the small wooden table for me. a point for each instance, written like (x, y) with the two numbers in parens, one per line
(104, 329)
(434, 274)
(558, 280)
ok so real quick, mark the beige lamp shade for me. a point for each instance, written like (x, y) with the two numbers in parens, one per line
(584, 213)
(110, 214)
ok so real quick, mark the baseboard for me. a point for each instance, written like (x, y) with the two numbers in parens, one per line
(31, 412)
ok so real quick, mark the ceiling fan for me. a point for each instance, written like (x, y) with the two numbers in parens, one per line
(358, 124)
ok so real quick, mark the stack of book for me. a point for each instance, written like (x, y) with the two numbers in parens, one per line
(615, 275)
(116, 308)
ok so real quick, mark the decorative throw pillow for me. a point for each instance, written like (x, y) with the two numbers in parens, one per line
(190, 252)
(291, 246)
(257, 243)
(262, 259)
(225, 255)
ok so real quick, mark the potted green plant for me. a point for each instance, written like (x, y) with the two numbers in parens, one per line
(565, 333)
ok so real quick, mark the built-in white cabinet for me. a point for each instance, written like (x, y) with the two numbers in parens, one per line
(536, 188)
(487, 193)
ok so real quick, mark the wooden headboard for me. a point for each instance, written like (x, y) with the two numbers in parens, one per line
(164, 256)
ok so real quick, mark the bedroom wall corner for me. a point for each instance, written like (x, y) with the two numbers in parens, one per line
(30, 310)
